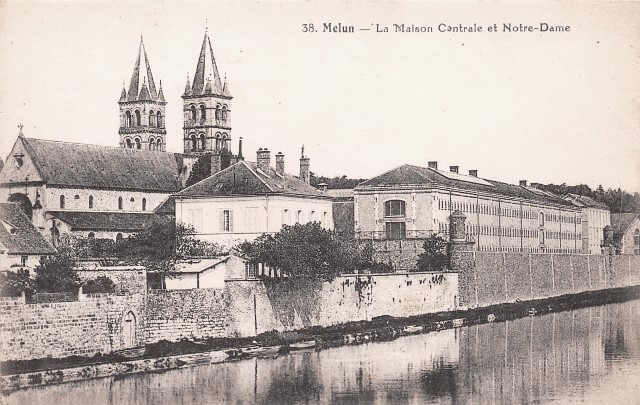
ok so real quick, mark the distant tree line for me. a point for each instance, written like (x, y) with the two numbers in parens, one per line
(335, 182)
(617, 200)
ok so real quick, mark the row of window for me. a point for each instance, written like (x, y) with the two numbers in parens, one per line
(90, 202)
(290, 217)
(252, 219)
(504, 211)
(199, 142)
(526, 249)
(512, 232)
(136, 143)
(221, 113)
(135, 119)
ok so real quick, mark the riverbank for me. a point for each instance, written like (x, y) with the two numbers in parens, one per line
(171, 355)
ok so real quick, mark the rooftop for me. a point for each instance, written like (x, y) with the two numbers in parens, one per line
(18, 235)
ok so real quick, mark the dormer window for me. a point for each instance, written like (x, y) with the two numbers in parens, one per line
(18, 160)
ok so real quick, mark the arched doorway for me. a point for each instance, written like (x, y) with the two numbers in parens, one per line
(129, 330)
(24, 203)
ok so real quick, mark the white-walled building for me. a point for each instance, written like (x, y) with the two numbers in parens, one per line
(21, 245)
(248, 199)
(595, 216)
(412, 203)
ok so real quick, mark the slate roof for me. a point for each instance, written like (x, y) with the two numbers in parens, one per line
(244, 178)
(584, 201)
(105, 221)
(167, 207)
(199, 265)
(410, 176)
(25, 239)
(621, 222)
(206, 70)
(340, 194)
(147, 89)
(81, 165)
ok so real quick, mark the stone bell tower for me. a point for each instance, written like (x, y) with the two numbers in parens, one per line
(142, 109)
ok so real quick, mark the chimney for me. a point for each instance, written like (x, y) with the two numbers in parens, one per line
(280, 163)
(473, 173)
(305, 174)
(523, 183)
(453, 169)
(264, 160)
(433, 165)
(240, 148)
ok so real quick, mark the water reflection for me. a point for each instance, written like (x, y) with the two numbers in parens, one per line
(585, 356)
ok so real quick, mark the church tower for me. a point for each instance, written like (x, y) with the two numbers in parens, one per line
(142, 109)
(207, 110)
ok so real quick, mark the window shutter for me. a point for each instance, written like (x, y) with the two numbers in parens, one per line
(230, 220)
(221, 218)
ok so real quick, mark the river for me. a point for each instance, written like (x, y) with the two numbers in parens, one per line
(590, 355)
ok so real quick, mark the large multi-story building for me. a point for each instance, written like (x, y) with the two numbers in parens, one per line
(111, 192)
(412, 203)
(595, 216)
(249, 199)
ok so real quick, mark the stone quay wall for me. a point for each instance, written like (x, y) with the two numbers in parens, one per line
(502, 277)
(259, 306)
(193, 314)
(92, 325)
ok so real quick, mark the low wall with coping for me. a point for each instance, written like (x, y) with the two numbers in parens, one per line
(193, 314)
(94, 324)
(259, 306)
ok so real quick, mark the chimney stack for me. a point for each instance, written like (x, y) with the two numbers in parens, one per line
(473, 173)
(305, 174)
(240, 148)
(264, 160)
(453, 169)
(523, 183)
(433, 165)
(280, 163)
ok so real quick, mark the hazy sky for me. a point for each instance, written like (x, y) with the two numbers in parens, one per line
(546, 107)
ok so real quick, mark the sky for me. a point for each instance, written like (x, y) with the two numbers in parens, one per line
(548, 107)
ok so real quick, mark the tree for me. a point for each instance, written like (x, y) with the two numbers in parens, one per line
(160, 245)
(308, 251)
(434, 257)
(56, 273)
(335, 182)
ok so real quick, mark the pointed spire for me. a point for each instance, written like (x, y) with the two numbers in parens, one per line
(206, 67)
(160, 93)
(187, 88)
(225, 88)
(123, 95)
(144, 92)
(134, 87)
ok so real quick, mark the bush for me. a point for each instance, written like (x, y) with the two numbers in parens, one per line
(102, 284)
(13, 283)
(56, 273)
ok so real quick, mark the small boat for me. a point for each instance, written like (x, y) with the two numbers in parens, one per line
(532, 312)
(457, 323)
(491, 318)
(260, 350)
(413, 329)
(307, 344)
(131, 353)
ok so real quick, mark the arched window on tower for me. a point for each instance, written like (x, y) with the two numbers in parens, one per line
(62, 202)
(193, 113)
(225, 142)
(152, 119)
(194, 142)
(224, 114)
(138, 143)
(218, 142)
(151, 144)
(128, 144)
(128, 122)
(218, 113)
(203, 113)
(159, 119)
(138, 118)
(203, 142)
(159, 144)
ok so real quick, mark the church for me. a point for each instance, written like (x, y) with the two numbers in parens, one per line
(111, 192)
